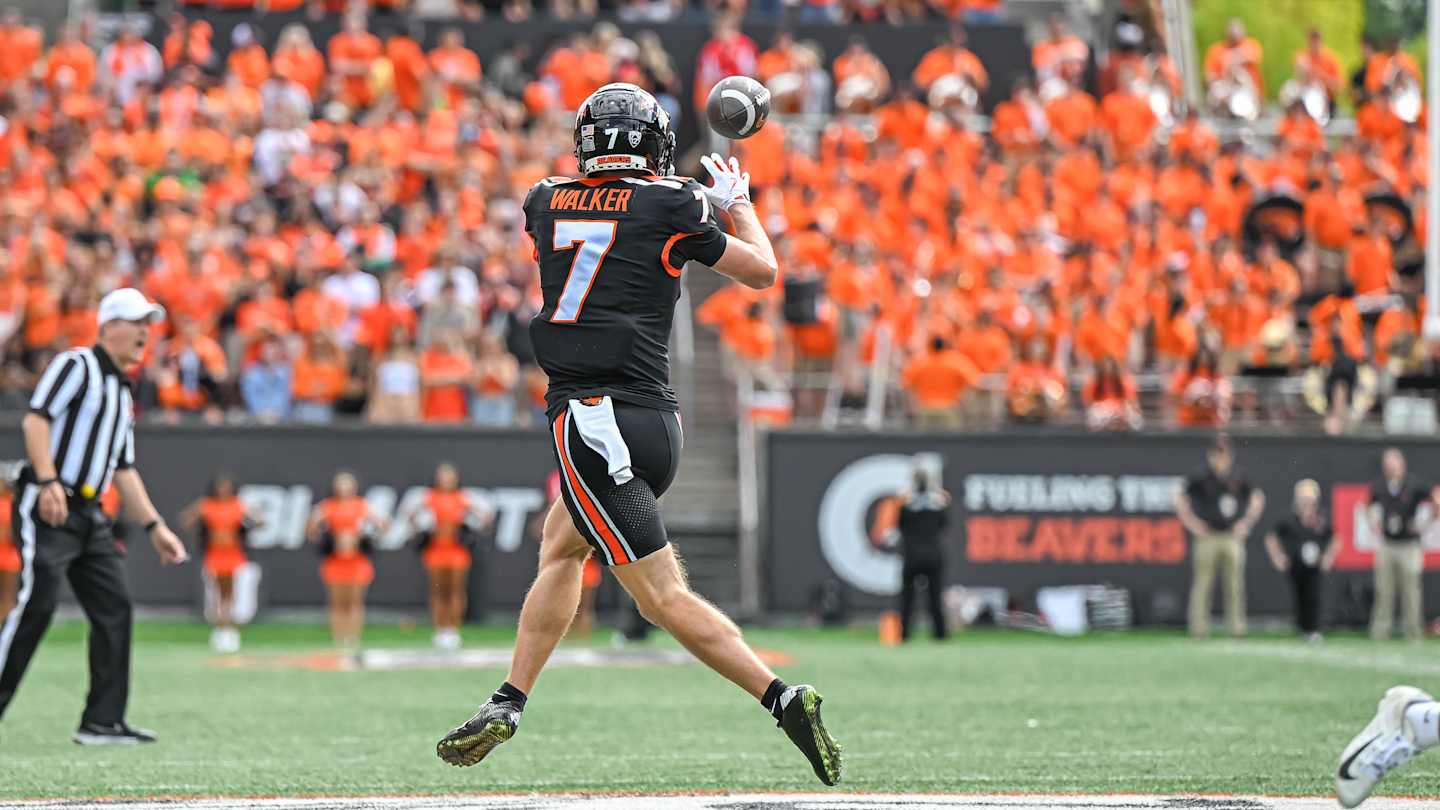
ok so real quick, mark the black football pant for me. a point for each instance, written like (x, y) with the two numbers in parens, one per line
(1305, 584)
(84, 551)
(930, 571)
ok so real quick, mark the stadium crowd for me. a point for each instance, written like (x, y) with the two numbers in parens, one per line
(805, 11)
(335, 228)
(1085, 240)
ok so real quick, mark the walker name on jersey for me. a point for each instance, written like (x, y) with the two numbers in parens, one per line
(283, 510)
(614, 200)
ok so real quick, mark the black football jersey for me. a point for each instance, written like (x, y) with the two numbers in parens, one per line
(610, 252)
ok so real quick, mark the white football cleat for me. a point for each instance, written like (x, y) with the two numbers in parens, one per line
(1383, 746)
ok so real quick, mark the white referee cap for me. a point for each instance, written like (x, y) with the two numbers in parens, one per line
(129, 304)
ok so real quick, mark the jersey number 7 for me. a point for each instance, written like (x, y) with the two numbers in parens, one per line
(591, 239)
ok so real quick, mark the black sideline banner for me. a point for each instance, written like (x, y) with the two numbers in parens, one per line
(1036, 509)
(282, 472)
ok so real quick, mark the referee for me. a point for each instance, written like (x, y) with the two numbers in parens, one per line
(916, 525)
(79, 436)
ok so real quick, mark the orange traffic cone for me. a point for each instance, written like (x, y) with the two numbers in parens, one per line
(890, 628)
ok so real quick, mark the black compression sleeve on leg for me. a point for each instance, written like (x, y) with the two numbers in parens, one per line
(507, 693)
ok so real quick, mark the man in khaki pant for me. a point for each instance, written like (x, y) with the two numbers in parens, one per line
(1400, 509)
(1210, 508)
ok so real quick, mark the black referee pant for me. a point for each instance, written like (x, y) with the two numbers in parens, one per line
(84, 551)
(929, 568)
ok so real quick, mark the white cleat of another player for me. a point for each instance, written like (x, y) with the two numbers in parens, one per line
(1384, 745)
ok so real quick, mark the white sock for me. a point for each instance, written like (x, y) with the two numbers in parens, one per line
(1424, 722)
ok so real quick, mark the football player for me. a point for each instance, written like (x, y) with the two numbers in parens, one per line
(1406, 722)
(611, 245)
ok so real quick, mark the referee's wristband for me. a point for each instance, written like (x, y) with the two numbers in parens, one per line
(150, 527)
(47, 482)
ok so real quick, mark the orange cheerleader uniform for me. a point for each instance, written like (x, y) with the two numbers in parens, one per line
(9, 554)
(348, 567)
(224, 520)
(444, 551)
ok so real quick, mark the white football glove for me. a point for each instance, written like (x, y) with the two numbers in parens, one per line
(729, 186)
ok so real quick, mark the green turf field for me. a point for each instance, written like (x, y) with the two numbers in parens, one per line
(1144, 712)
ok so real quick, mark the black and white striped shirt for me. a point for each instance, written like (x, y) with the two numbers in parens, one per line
(92, 418)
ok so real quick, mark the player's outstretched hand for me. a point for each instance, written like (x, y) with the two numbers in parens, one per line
(728, 185)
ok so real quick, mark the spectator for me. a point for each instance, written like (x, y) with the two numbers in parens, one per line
(70, 63)
(1060, 56)
(379, 321)
(952, 58)
(728, 53)
(278, 144)
(861, 79)
(409, 65)
(752, 340)
(1035, 391)
(297, 60)
(356, 290)
(446, 372)
(1235, 87)
(1398, 347)
(248, 60)
(1202, 393)
(1401, 508)
(1071, 116)
(938, 382)
(20, 47)
(1390, 68)
(351, 55)
(1111, 400)
(193, 369)
(395, 387)
(1019, 124)
(497, 373)
(448, 270)
(266, 384)
(447, 313)
(456, 68)
(1303, 546)
(1342, 388)
(1320, 64)
(129, 63)
(1371, 262)
(318, 379)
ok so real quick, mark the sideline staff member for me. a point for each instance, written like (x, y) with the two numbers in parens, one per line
(916, 523)
(1302, 546)
(1400, 509)
(79, 437)
(1210, 508)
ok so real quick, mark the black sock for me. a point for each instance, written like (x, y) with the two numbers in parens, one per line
(771, 699)
(507, 693)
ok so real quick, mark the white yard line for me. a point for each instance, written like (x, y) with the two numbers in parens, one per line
(1392, 662)
(773, 801)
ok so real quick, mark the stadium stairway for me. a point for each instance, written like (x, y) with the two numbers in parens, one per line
(701, 507)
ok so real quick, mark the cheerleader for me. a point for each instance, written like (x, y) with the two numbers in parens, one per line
(9, 554)
(446, 527)
(222, 523)
(342, 525)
